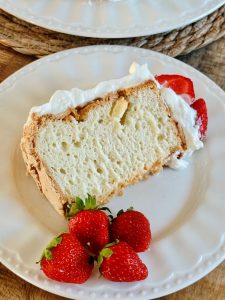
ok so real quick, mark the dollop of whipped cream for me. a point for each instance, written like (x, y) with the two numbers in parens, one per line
(180, 110)
(62, 99)
(186, 118)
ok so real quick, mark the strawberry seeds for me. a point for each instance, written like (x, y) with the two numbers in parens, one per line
(114, 245)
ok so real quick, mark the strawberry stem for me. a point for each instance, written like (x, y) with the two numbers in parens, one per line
(130, 208)
(111, 244)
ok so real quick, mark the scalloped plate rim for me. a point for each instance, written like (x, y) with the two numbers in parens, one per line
(105, 32)
(9, 82)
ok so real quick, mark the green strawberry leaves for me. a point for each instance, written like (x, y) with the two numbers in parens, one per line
(130, 208)
(105, 252)
(74, 207)
(89, 203)
(47, 253)
(122, 211)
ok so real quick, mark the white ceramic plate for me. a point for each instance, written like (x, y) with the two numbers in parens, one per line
(108, 18)
(186, 207)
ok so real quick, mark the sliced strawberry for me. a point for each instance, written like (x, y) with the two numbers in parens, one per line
(202, 116)
(179, 84)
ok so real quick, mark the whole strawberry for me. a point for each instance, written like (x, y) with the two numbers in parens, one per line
(121, 263)
(133, 228)
(89, 224)
(66, 260)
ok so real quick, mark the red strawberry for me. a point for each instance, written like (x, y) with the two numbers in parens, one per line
(133, 228)
(121, 263)
(89, 225)
(179, 84)
(202, 116)
(66, 260)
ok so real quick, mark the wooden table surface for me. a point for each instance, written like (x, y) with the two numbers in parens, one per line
(210, 61)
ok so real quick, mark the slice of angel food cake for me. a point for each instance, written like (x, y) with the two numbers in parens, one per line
(100, 140)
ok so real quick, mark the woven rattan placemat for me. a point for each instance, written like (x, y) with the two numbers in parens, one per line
(33, 40)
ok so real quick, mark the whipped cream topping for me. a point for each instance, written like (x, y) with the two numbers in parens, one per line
(177, 163)
(180, 110)
(62, 99)
(186, 117)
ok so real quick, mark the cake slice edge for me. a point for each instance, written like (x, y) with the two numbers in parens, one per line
(44, 177)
